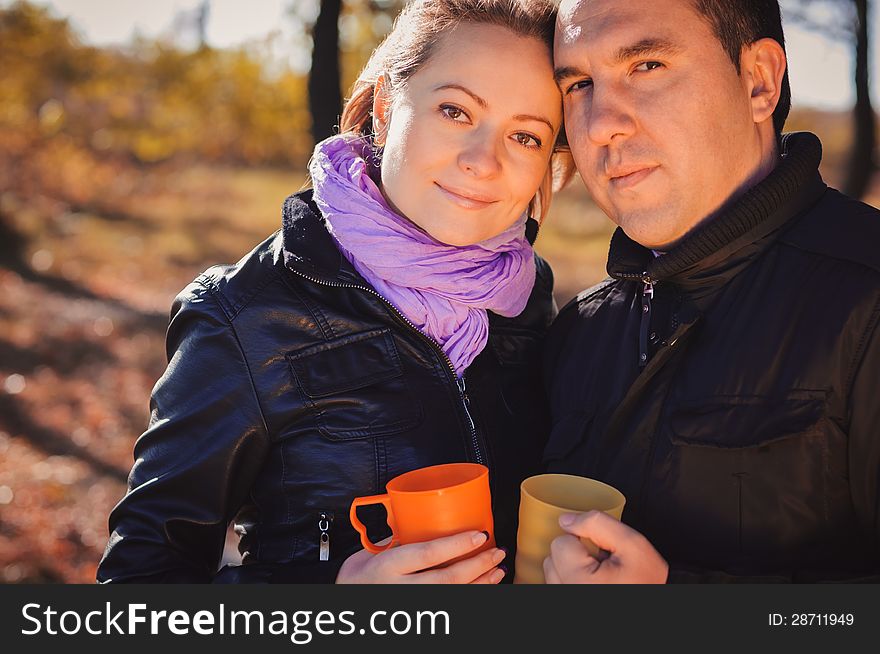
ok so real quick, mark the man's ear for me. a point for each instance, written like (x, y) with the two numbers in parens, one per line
(763, 66)
(381, 109)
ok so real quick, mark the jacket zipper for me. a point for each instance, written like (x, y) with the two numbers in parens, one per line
(460, 383)
(324, 522)
(462, 389)
(645, 325)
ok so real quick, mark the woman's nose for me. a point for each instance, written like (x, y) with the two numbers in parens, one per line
(479, 157)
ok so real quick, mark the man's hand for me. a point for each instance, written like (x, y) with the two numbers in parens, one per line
(631, 558)
(416, 563)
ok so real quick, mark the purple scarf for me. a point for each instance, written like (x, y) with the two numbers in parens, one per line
(443, 290)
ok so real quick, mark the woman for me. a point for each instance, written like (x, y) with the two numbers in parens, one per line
(392, 323)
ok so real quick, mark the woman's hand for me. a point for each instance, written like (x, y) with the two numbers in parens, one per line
(411, 564)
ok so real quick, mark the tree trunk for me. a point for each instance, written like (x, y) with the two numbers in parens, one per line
(325, 94)
(861, 163)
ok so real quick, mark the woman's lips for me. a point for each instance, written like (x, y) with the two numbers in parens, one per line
(465, 199)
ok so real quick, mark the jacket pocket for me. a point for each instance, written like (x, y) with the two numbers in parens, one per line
(735, 422)
(355, 385)
(759, 475)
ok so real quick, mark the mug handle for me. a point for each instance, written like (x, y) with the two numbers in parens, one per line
(362, 529)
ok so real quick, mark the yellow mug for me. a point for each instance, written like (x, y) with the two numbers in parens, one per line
(543, 498)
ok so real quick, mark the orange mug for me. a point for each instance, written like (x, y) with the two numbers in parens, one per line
(433, 502)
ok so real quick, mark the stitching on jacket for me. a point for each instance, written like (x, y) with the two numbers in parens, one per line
(590, 294)
(231, 311)
(860, 352)
(379, 458)
(318, 317)
(246, 299)
(828, 255)
(214, 294)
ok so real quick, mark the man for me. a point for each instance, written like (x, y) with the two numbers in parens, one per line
(725, 377)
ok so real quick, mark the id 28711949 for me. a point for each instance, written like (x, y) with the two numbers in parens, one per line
(811, 620)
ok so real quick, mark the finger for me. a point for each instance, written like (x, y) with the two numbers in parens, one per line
(570, 558)
(405, 559)
(606, 532)
(462, 572)
(550, 574)
(494, 576)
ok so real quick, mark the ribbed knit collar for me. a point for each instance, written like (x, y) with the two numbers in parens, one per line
(713, 252)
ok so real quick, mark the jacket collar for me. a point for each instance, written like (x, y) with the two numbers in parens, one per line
(306, 245)
(715, 251)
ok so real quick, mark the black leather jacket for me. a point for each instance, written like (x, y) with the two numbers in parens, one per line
(748, 444)
(293, 387)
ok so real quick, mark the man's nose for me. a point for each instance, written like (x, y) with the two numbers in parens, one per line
(610, 116)
(479, 156)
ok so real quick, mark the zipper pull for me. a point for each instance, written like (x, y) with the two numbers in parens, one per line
(462, 388)
(647, 296)
(324, 545)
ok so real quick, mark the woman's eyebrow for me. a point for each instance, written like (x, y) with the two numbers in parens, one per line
(539, 119)
(480, 101)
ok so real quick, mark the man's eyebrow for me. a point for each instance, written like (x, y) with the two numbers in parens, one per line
(646, 47)
(476, 98)
(566, 72)
(649, 46)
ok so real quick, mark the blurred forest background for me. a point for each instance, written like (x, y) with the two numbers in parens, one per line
(125, 171)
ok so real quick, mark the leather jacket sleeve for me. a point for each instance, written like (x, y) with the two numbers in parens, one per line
(197, 460)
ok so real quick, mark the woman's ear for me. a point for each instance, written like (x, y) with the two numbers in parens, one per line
(763, 67)
(381, 109)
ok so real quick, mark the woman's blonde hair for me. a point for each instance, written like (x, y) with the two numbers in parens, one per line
(413, 38)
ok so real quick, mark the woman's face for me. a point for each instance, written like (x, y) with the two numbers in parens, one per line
(468, 137)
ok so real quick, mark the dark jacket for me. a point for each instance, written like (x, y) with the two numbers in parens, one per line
(293, 387)
(748, 446)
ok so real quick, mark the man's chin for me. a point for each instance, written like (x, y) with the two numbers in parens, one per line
(655, 237)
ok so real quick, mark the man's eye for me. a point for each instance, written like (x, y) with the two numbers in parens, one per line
(451, 111)
(649, 65)
(580, 85)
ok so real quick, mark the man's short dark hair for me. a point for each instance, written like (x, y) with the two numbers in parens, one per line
(738, 24)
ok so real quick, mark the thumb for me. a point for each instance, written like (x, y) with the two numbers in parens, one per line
(606, 532)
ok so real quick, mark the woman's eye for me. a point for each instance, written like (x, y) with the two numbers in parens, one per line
(649, 65)
(527, 140)
(451, 111)
(580, 85)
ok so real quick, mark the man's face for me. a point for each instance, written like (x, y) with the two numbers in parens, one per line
(659, 121)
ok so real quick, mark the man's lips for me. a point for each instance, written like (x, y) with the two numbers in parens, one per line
(623, 178)
(464, 198)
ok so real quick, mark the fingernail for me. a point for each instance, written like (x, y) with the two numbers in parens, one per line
(498, 556)
(497, 576)
(566, 519)
(480, 538)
